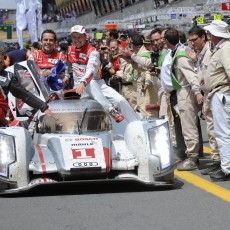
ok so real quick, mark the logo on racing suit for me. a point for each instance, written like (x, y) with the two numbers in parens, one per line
(83, 56)
(78, 70)
(51, 60)
(83, 153)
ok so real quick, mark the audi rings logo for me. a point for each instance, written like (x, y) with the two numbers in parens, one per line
(85, 164)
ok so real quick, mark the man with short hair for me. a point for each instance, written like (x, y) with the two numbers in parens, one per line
(188, 92)
(47, 57)
(118, 65)
(218, 85)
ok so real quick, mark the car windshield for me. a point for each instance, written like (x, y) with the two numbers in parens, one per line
(74, 122)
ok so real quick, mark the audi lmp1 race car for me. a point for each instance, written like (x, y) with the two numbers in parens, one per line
(84, 144)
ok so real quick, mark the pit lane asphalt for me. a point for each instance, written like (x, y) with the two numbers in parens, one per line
(121, 206)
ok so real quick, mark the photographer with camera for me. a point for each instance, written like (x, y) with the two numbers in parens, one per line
(141, 62)
(116, 65)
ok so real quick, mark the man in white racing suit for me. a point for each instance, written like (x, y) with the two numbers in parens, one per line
(85, 62)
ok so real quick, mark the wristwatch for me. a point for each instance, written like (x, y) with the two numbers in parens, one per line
(84, 82)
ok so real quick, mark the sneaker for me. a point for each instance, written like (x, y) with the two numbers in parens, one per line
(116, 115)
(187, 165)
(210, 169)
(219, 175)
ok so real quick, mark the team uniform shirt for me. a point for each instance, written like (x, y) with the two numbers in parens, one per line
(218, 71)
(47, 61)
(85, 63)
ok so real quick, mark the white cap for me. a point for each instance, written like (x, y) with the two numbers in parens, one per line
(78, 29)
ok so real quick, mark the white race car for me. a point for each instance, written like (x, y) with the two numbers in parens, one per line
(82, 145)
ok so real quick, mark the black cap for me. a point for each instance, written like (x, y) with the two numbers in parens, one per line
(137, 40)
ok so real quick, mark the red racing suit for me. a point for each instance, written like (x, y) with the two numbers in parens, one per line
(85, 63)
(47, 61)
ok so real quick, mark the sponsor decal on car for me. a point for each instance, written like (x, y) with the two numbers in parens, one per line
(85, 164)
(83, 153)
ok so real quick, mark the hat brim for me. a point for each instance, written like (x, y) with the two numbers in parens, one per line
(76, 32)
(216, 33)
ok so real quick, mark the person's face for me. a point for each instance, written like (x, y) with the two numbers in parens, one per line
(114, 48)
(48, 43)
(156, 40)
(107, 37)
(78, 39)
(197, 42)
(97, 44)
(2, 63)
(213, 39)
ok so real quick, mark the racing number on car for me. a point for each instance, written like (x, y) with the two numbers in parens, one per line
(83, 153)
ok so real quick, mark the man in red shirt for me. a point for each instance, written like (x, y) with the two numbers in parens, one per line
(47, 57)
(118, 65)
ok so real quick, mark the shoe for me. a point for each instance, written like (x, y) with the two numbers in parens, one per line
(53, 97)
(116, 115)
(179, 155)
(210, 169)
(187, 165)
(219, 175)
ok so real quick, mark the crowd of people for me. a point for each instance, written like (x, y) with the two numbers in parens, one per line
(186, 74)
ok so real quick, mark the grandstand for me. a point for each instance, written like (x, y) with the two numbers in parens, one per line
(147, 14)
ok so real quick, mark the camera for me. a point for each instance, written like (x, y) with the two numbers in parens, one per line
(154, 58)
(104, 48)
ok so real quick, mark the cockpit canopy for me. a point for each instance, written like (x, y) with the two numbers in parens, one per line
(75, 122)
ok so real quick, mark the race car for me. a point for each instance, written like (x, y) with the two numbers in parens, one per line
(82, 145)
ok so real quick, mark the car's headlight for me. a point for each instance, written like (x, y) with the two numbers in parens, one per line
(159, 138)
(7, 153)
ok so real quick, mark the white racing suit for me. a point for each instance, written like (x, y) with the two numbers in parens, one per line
(85, 63)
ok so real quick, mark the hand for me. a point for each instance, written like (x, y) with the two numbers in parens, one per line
(191, 53)
(80, 88)
(49, 113)
(202, 81)
(199, 98)
(45, 73)
(154, 74)
(62, 75)
(127, 52)
(144, 88)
